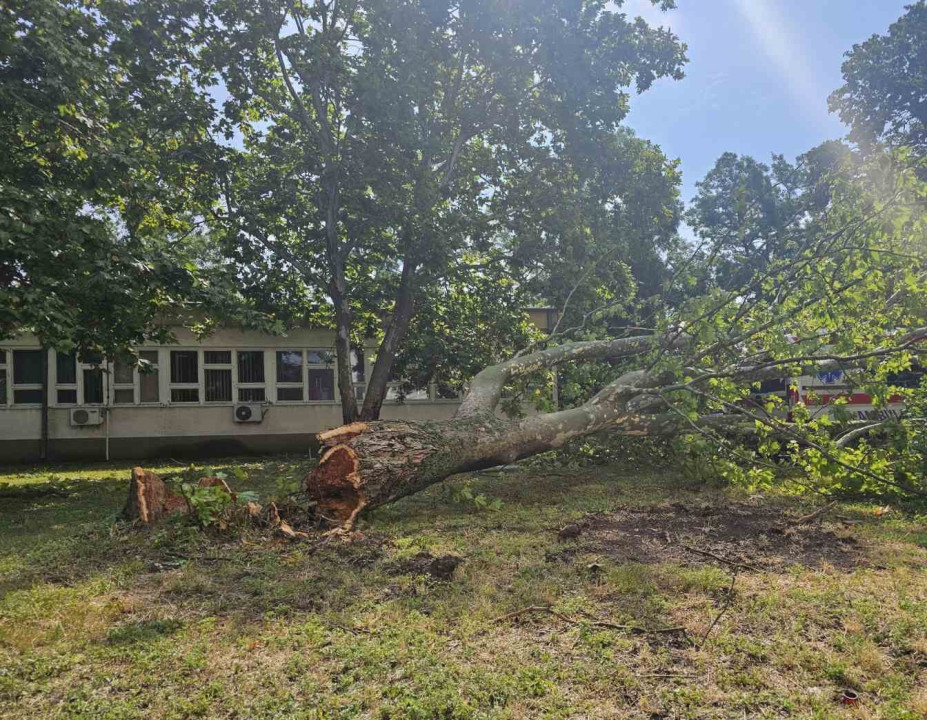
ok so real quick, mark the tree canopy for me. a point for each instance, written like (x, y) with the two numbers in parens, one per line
(374, 146)
(883, 95)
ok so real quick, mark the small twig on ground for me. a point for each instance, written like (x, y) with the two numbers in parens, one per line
(813, 516)
(727, 605)
(732, 563)
(596, 623)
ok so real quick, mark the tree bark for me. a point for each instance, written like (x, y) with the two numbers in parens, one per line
(386, 354)
(367, 464)
(343, 350)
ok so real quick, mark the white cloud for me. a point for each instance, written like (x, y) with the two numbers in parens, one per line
(779, 42)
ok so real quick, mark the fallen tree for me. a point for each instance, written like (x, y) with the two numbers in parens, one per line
(827, 296)
(364, 465)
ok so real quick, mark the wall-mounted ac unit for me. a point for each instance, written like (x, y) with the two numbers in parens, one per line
(85, 417)
(249, 413)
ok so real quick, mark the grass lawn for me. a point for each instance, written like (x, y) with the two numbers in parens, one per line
(99, 619)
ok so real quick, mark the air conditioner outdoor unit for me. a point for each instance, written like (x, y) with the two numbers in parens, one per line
(85, 417)
(249, 413)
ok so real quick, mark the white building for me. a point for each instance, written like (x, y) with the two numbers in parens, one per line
(233, 392)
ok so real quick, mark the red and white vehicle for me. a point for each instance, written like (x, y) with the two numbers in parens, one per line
(823, 392)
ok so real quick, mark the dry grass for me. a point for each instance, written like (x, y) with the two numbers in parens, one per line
(101, 620)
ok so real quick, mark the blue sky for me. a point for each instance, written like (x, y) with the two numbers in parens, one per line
(758, 77)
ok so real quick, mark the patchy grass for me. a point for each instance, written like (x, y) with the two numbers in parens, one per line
(99, 619)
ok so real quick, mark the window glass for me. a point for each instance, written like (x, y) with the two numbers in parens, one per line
(184, 366)
(3, 395)
(93, 386)
(251, 395)
(251, 366)
(148, 386)
(27, 368)
(182, 395)
(66, 366)
(2, 357)
(321, 385)
(290, 394)
(122, 371)
(289, 366)
(124, 396)
(319, 357)
(67, 397)
(92, 358)
(357, 365)
(27, 397)
(218, 385)
(217, 357)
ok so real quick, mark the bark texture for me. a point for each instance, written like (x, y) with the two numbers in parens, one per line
(149, 499)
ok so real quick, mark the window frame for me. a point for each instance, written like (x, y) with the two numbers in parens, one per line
(231, 365)
(116, 386)
(238, 385)
(198, 385)
(11, 378)
(303, 383)
(5, 368)
(331, 366)
(158, 364)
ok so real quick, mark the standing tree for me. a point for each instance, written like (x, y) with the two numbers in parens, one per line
(384, 142)
(97, 235)
(883, 95)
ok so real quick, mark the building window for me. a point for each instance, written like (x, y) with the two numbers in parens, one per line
(123, 381)
(92, 378)
(251, 376)
(321, 375)
(149, 390)
(358, 373)
(185, 378)
(217, 371)
(66, 378)
(27, 377)
(399, 392)
(289, 376)
(4, 398)
(93, 385)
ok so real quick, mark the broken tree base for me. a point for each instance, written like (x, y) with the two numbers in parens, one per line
(149, 499)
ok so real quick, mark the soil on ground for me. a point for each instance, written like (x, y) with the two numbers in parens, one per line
(745, 535)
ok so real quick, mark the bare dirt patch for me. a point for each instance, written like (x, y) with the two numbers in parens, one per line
(736, 534)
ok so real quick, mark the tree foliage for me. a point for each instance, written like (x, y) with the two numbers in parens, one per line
(98, 232)
(883, 95)
(383, 143)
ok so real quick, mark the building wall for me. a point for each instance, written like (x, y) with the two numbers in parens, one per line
(170, 429)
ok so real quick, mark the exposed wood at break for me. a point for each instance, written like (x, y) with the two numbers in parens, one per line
(341, 434)
(150, 499)
(337, 485)
(217, 482)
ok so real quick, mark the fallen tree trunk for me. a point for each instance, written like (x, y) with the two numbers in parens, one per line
(364, 465)
(367, 464)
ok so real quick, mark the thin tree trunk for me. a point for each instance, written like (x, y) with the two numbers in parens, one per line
(386, 354)
(343, 318)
